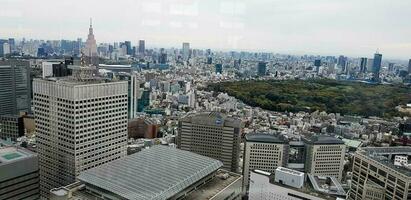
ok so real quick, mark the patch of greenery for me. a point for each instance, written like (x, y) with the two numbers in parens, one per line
(332, 96)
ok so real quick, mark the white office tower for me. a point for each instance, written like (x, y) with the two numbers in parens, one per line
(325, 156)
(263, 152)
(81, 123)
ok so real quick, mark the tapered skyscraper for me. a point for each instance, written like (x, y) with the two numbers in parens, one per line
(90, 48)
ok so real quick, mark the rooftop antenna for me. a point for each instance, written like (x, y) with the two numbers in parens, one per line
(378, 50)
(91, 22)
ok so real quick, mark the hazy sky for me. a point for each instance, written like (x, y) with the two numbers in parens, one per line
(326, 27)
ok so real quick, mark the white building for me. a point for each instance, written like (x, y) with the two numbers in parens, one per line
(264, 152)
(325, 156)
(289, 177)
(81, 123)
(262, 189)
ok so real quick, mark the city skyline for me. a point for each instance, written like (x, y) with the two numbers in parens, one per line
(292, 27)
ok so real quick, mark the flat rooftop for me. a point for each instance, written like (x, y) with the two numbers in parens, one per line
(11, 154)
(380, 154)
(156, 173)
(264, 138)
(222, 180)
(323, 139)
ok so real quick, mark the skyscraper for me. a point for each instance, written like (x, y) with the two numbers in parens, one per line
(129, 49)
(141, 47)
(376, 67)
(262, 68)
(263, 152)
(409, 66)
(325, 156)
(211, 134)
(363, 65)
(186, 50)
(90, 48)
(219, 68)
(14, 87)
(81, 123)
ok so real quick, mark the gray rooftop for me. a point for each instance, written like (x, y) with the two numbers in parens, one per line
(156, 173)
(380, 154)
(212, 119)
(323, 139)
(264, 138)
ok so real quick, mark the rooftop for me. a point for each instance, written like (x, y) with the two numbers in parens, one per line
(156, 173)
(323, 139)
(212, 119)
(264, 138)
(380, 154)
(11, 154)
(222, 180)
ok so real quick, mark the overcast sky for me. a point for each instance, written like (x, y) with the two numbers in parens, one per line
(325, 27)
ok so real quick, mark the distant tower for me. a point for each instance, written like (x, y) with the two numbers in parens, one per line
(186, 50)
(262, 68)
(90, 48)
(409, 67)
(141, 47)
(363, 65)
(376, 67)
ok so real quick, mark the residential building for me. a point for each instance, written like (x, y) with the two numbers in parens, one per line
(376, 177)
(212, 134)
(159, 172)
(325, 156)
(19, 176)
(143, 128)
(264, 152)
(81, 123)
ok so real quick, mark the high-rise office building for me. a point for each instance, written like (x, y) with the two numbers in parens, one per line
(212, 134)
(141, 47)
(129, 49)
(11, 127)
(263, 152)
(81, 123)
(363, 65)
(19, 175)
(261, 68)
(219, 68)
(186, 50)
(377, 176)
(14, 87)
(409, 66)
(376, 67)
(325, 156)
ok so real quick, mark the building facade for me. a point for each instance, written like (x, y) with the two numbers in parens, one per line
(325, 156)
(263, 152)
(376, 177)
(19, 176)
(14, 87)
(212, 134)
(80, 124)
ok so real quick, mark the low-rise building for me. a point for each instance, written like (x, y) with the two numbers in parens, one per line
(157, 173)
(19, 175)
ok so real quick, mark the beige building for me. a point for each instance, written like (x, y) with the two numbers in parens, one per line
(212, 134)
(325, 156)
(81, 123)
(263, 152)
(375, 176)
